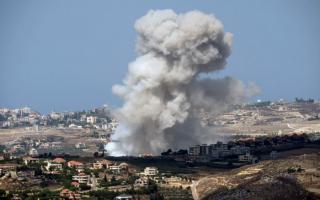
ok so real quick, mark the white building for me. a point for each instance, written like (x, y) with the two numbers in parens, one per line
(51, 166)
(73, 126)
(6, 124)
(80, 145)
(26, 110)
(33, 152)
(124, 197)
(105, 126)
(141, 182)
(91, 119)
(150, 171)
(83, 118)
(55, 115)
(30, 160)
(115, 168)
(4, 110)
(113, 125)
(81, 178)
(97, 165)
(118, 168)
(77, 165)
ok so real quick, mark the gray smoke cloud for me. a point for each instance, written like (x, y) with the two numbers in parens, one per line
(163, 90)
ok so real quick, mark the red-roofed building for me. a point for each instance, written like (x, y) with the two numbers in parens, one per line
(102, 164)
(75, 184)
(107, 163)
(77, 165)
(59, 160)
(68, 194)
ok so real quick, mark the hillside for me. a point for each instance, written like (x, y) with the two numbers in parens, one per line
(295, 177)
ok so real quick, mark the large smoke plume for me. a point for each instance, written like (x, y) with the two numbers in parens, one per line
(164, 88)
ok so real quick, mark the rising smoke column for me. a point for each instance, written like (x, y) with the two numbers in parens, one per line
(164, 88)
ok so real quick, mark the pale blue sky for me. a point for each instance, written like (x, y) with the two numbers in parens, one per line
(66, 55)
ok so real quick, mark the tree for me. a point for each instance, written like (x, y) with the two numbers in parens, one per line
(2, 148)
(44, 184)
(113, 179)
(104, 182)
(102, 155)
(37, 172)
(84, 187)
(95, 134)
(3, 118)
(96, 173)
(166, 153)
(96, 154)
(2, 194)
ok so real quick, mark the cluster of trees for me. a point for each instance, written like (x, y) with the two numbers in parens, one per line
(301, 100)
(2, 148)
(3, 118)
(294, 169)
(112, 182)
(98, 155)
(179, 152)
(30, 195)
(103, 194)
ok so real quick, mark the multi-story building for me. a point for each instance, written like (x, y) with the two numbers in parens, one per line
(29, 160)
(150, 171)
(68, 194)
(217, 150)
(33, 152)
(53, 167)
(141, 182)
(91, 119)
(80, 145)
(115, 168)
(97, 165)
(55, 115)
(81, 178)
(75, 164)
(204, 149)
(239, 150)
(7, 167)
(113, 125)
(194, 151)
